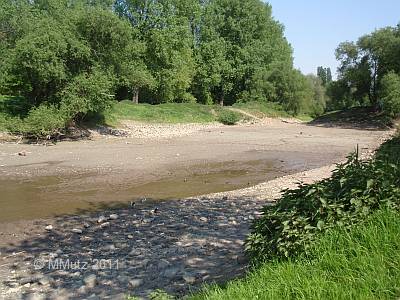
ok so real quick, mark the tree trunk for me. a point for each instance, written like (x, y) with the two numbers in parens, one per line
(135, 96)
(221, 100)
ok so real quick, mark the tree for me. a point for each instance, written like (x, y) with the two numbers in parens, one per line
(365, 63)
(390, 94)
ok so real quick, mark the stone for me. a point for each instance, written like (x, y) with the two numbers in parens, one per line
(44, 280)
(35, 296)
(86, 225)
(77, 231)
(49, 227)
(171, 272)
(106, 224)
(82, 290)
(203, 219)
(163, 263)
(189, 278)
(101, 219)
(90, 281)
(113, 217)
(135, 283)
(110, 247)
(93, 297)
(130, 236)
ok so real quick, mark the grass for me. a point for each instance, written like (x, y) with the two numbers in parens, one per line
(268, 109)
(162, 113)
(363, 263)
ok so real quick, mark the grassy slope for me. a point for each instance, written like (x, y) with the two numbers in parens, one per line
(363, 263)
(186, 112)
(163, 113)
(268, 109)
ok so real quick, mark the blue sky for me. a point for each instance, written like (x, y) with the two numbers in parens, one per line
(315, 28)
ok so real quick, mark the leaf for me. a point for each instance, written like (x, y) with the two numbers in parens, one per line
(320, 224)
(370, 183)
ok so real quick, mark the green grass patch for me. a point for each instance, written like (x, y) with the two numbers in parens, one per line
(362, 263)
(162, 113)
(268, 109)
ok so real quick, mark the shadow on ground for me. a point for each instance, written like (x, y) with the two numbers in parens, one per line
(363, 118)
(177, 247)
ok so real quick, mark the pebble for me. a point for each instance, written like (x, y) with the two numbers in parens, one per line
(113, 217)
(49, 227)
(135, 283)
(101, 219)
(189, 279)
(90, 281)
(106, 224)
(76, 230)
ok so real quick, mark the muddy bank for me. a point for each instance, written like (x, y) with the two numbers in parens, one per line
(175, 245)
(71, 177)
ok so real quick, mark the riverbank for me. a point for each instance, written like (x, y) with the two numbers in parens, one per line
(175, 245)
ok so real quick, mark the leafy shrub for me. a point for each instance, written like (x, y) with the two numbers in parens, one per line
(41, 121)
(228, 117)
(391, 94)
(355, 190)
(87, 93)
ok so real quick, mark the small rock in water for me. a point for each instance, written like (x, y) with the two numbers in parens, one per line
(86, 225)
(113, 217)
(225, 198)
(101, 219)
(76, 230)
(22, 153)
(49, 227)
(90, 281)
(130, 236)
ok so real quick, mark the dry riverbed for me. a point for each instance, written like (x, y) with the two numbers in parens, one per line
(154, 241)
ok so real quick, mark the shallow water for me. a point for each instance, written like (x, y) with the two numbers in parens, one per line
(40, 197)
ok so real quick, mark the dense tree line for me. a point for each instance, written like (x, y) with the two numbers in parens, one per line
(369, 72)
(77, 56)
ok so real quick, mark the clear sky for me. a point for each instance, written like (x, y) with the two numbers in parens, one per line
(315, 28)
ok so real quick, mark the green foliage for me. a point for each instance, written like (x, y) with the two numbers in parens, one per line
(391, 94)
(363, 67)
(355, 190)
(44, 120)
(152, 51)
(360, 263)
(228, 117)
(325, 75)
(85, 94)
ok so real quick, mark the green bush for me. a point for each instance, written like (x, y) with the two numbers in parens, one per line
(355, 190)
(43, 120)
(87, 93)
(228, 117)
(391, 94)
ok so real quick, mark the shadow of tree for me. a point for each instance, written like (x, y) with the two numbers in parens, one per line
(176, 246)
(363, 118)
